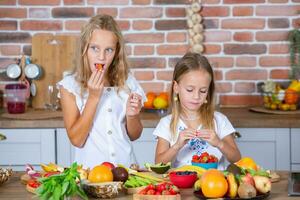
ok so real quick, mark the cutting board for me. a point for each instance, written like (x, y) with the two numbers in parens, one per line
(55, 54)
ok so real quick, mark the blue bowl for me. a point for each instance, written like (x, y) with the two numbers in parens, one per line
(206, 165)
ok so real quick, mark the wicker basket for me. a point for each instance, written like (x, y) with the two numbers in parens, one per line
(106, 190)
(4, 175)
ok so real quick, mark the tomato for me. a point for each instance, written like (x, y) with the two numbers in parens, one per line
(33, 183)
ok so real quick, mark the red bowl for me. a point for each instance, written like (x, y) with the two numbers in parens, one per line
(183, 179)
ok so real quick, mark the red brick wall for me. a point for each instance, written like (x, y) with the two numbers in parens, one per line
(245, 40)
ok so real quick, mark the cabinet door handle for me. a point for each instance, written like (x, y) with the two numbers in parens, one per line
(237, 135)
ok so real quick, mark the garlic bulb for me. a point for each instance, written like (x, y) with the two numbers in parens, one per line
(195, 31)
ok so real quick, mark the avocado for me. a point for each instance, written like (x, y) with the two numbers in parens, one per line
(159, 168)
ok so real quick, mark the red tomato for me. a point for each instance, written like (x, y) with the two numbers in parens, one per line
(33, 183)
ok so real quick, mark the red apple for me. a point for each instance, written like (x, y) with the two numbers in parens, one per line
(247, 179)
(109, 165)
(262, 184)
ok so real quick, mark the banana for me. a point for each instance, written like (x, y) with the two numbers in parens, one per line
(233, 187)
(197, 169)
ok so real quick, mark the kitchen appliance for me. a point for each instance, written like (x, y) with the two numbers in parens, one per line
(294, 184)
(15, 97)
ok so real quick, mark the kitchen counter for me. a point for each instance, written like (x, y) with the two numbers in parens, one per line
(239, 117)
(14, 190)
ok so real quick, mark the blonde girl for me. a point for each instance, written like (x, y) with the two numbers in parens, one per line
(194, 126)
(101, 100)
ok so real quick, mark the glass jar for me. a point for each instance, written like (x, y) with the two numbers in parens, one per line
(15, 97)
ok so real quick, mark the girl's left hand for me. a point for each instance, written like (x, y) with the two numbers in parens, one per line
(208, 135)
(133, 105)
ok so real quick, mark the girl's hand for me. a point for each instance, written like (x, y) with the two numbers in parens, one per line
(184, 136)
(96, 84)
(133, 105)
(210, 136)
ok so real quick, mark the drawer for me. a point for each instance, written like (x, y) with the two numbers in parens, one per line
(22, 146)
(295, 147)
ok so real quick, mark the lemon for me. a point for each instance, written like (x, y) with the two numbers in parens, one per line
(160, 103)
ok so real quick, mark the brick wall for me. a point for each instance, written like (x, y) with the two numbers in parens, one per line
(245, 40)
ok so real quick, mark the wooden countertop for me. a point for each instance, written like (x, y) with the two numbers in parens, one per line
(239, 117)
(15, 190)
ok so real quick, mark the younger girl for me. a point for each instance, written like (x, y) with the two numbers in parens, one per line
(194, 126)
(100, 100)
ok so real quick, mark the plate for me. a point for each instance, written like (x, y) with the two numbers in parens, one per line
(258, 197)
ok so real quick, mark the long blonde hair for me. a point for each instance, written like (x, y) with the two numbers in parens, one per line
(117, 72)
(190, 62)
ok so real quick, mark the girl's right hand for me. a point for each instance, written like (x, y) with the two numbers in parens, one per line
(96, 84)
(184, 136)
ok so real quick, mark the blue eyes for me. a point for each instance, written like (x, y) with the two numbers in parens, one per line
(109, 50)
(97, 50)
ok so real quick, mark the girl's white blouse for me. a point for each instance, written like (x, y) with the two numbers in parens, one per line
(197, 146)
(108, 139)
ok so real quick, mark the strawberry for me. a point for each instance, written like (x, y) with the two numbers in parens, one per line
(143, 191)
(151, 192)
(161, 187)
(166, 192)
(173, 190)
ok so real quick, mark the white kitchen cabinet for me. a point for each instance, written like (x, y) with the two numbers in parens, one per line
(65, 150)
(295, 149)
(269, 147)
(144, 147)
(22, 146)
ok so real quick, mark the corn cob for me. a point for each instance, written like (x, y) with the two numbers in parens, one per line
(147, 176)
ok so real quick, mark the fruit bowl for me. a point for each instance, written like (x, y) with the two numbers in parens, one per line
(280, 96)
(183, 179)
(213, 165)
(102, 190)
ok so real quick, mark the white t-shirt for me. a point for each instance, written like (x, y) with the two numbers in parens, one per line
(108, 139)
(194, 146)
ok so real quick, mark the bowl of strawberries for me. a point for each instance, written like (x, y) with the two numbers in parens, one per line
(205, 160)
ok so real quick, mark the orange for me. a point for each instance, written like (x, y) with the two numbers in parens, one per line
(164, 95)
(100, 173)
(150, 98)
(213, 184)
(247, 163)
